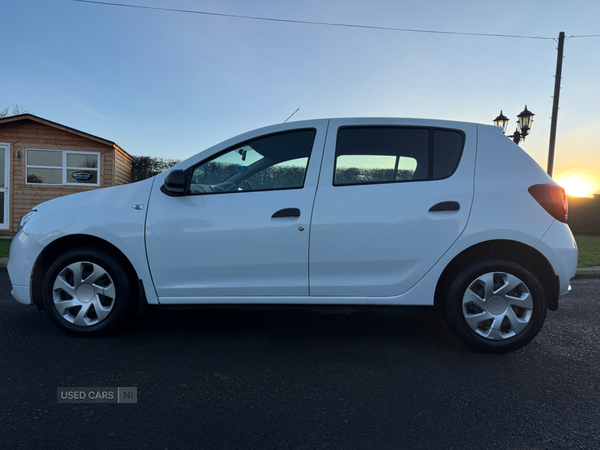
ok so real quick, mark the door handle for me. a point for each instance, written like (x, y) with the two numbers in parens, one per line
(286, 212)
(445, 206)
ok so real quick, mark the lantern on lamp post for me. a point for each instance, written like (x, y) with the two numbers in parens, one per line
(501, 121)
(524, 121)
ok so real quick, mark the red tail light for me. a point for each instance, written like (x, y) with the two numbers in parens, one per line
(553, 199)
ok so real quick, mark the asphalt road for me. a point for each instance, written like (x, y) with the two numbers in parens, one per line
(302, 379)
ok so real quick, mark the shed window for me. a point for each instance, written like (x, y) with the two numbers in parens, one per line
(62, 167)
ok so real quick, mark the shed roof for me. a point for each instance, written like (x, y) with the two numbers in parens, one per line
(34, 118)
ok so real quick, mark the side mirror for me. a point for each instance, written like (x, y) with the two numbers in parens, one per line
(174, 183)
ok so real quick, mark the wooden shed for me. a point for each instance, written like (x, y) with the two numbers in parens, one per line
(41, 160)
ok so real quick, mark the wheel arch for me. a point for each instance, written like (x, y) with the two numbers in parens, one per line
(514, 251)
(61, 245)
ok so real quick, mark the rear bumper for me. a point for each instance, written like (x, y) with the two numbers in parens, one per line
(560, 249)
(24, 252)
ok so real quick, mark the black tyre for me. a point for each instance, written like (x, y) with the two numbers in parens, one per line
(495, 306)
(86, 292)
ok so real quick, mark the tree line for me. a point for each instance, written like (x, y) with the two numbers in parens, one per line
(273, 177)
(13, 110)
(352, 175)
(280, 177)
(143, 167)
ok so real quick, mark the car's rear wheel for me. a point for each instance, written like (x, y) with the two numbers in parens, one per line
(495, 306)
(86, 292)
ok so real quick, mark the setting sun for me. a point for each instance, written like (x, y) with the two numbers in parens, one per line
(576, 185)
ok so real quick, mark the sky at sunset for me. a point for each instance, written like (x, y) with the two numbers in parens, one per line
(171, 84)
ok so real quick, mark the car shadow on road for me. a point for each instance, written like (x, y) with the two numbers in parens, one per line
(415, 327)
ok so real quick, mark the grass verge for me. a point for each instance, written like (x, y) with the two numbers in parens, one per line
(4, 247)
(589, 250)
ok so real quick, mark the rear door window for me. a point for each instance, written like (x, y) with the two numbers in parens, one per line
(367, 155)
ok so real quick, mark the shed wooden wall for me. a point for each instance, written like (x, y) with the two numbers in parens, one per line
(122, 167)
(30, 134)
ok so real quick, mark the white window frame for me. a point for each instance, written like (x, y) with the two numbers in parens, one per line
(5, 190)
(63, 167)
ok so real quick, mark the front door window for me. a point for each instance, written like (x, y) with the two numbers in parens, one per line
(272, 162)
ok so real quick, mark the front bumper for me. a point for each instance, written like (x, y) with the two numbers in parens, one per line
(24, 252)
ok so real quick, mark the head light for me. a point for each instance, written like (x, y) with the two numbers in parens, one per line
(25, 219)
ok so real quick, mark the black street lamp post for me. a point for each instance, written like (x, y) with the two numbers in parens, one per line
(524, 121)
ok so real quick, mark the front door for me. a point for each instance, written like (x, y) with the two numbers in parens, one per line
(242, 228)
(4, 185)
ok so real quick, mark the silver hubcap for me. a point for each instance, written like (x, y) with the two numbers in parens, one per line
(497, 306)
(84, 293)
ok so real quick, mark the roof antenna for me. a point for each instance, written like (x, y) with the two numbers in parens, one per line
(291, 116)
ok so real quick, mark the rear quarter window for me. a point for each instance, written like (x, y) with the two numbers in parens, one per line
(447, 149)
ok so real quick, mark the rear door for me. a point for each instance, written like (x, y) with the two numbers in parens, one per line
(393, 197)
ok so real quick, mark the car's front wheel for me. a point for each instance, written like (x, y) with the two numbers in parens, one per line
(495, 306)
(86, 292)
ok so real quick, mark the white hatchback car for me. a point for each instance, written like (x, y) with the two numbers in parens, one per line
(321, 212)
